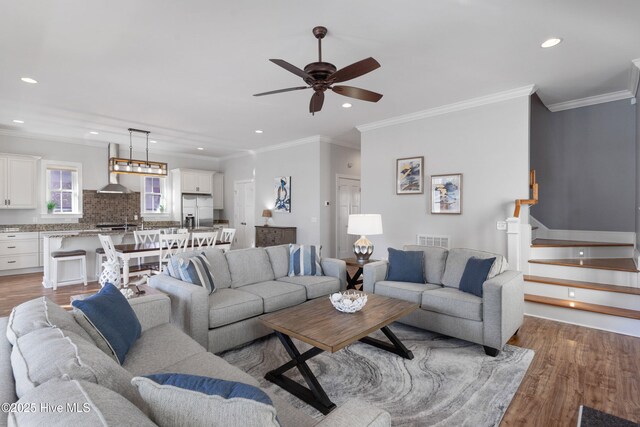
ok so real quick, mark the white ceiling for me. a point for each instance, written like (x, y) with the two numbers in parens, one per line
(186, 70)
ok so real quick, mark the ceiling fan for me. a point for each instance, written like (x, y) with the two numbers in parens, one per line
(321, 76)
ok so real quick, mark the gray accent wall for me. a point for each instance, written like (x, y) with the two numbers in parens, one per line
(488, 144)
(585, 159)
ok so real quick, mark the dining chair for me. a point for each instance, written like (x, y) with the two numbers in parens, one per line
(145, 236)
(171, 244)
(227, 235)
(205, 239)
(112, 271)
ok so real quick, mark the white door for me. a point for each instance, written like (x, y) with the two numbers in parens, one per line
(348, 197)
(244, 214)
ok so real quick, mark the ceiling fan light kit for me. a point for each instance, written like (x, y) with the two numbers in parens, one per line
(321, 76)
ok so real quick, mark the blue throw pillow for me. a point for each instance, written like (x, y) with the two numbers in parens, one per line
(196, 270)
(304, 260)
(112, 316)
(406, 266)
(475, 274)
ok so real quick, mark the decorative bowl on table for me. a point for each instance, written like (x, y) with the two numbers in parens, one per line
(348, 302)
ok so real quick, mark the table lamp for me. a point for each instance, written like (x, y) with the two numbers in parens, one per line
(363, 224)
(266, 214)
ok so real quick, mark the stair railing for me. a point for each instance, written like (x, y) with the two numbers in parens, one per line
(533, 185)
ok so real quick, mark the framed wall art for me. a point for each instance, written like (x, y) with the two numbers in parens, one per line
(409, 175)
(282, 194)
(446, 194)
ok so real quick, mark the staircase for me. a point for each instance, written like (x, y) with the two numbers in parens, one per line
(587, 283)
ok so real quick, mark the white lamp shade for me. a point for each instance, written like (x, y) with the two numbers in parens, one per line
(365, 224)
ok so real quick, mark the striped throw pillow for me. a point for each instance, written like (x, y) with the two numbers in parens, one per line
(304, 260)
(196, 270)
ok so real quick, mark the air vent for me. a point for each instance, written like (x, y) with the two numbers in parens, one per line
(437, 241)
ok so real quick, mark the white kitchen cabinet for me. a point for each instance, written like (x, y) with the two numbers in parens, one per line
(218, 191)
(19, 250)
(198, 182)
(17, 182)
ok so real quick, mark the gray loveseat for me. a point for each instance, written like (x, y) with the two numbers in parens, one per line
(249, 283)
(48, 359)
(444, 308)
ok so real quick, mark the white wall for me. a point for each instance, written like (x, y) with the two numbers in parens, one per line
(489, 145)
(94, 162)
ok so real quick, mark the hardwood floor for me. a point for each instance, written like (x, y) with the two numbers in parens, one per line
(573, 365)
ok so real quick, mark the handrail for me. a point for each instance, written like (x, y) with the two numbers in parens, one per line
(533, 185)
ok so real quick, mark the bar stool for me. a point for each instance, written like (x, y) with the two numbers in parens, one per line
(61, 256)
(100, 258)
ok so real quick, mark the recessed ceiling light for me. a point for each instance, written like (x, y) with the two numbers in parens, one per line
(153, 141)
(200, 148)
(93, 132)
(346, 105)
(554, 41)
(29, 80)
(258, 130)
(18, 121)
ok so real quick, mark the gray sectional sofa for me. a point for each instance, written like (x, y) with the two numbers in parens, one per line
(46, 358)
(249, 283)
(444, 308)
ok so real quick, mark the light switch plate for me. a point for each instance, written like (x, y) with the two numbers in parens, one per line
(501, 225)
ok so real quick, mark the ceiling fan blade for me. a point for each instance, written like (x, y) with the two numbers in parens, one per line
(317, 99)
(292, 69)
(356, 92)
(281, 90)
(354, 70)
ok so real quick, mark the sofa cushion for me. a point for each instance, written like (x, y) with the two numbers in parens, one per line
(279, 257)
(304, 260)
(91, 405)
(37, 314)
(188, 400)
(197, 271)
(277, 295)
(232, 305)
(112, 316)
(160, 347)
(405, 266)
(457, 261)
(248, 266)
(54, 353)
(219, 267)
(209, 365)
(475, 274)
(316, 286)
(95, 335)
(406, 291)
(453, 302)
(434, 261)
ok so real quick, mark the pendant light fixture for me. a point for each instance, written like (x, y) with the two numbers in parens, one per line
(137, 167)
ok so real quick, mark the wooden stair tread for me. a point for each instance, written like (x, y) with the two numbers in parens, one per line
(557, 243)
(582, 285)
(584, 306)
(616, 264)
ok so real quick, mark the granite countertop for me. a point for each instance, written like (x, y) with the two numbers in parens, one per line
(63, 229)
(96, 232)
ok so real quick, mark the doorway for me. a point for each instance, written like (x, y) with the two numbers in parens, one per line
(348, 203)
(244, 214)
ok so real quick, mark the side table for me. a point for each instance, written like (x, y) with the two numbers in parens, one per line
(353, 280)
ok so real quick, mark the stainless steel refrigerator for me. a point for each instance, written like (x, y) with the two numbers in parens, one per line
(201, 207)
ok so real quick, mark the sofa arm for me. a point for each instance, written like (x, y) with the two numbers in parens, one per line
(356, 413)
(152, 310)
(503, 307)
(373, 272)
(335, 268)
(189, 306)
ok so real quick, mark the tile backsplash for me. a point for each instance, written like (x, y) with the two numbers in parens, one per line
(109, 208)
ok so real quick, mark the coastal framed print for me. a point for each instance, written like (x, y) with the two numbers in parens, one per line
(282, 194)
(446, 194)
(409, 175)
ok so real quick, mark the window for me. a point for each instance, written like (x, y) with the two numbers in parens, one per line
(63, 188)
(153, 197)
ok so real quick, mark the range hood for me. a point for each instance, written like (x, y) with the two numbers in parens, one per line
(113, 187)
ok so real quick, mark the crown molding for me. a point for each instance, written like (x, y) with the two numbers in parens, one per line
(590, 100)
(450, 108)
(280, 146)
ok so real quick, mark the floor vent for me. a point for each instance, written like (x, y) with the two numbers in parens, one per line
(437, 241)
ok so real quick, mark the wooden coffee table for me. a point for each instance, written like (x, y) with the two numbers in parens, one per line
(318, 323)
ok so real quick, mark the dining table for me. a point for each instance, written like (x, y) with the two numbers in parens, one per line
(136, 250)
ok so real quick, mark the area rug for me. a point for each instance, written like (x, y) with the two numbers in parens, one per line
(589, 417)
(449, 382)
